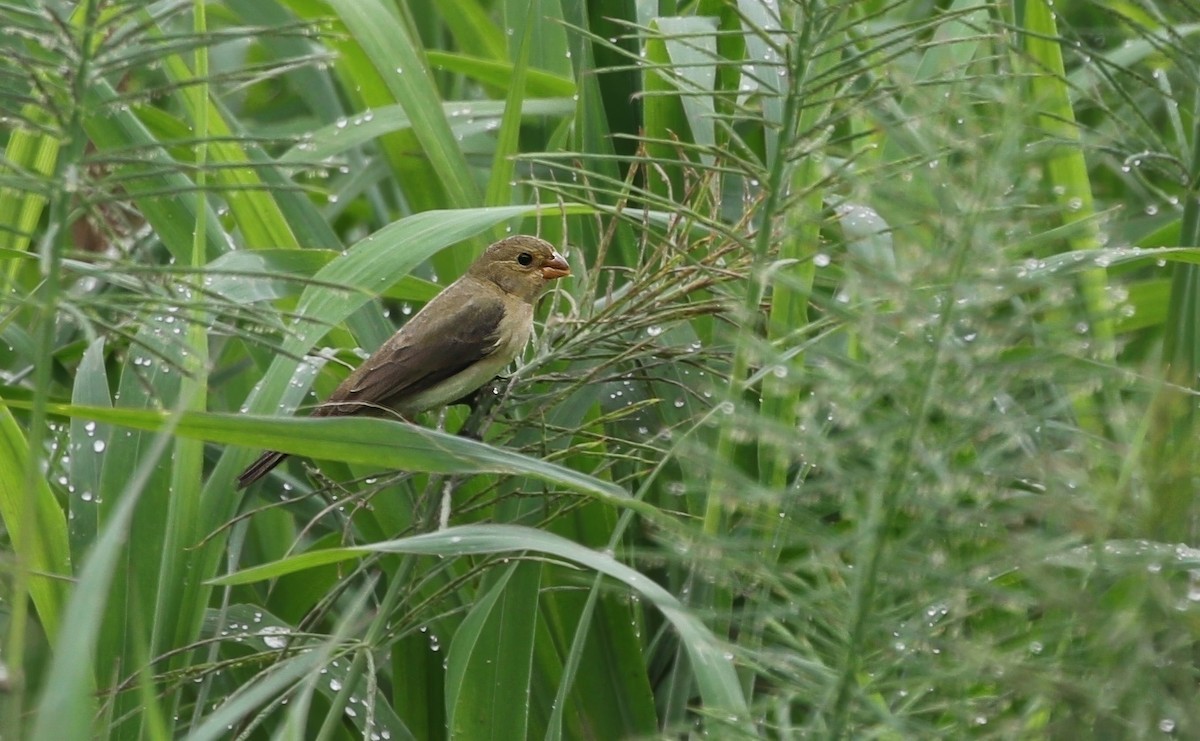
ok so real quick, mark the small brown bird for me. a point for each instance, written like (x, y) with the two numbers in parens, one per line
(462, 338)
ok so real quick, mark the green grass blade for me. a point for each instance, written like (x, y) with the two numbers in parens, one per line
(714, 672)
(499, 73)
(233, 175)
(43, 547)
(401, 64)
(377, 442)
(500, 189)
(1066, 166)
(491, 659)
(472, 28)
(67, 704)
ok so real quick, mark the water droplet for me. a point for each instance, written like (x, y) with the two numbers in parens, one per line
(274, 636)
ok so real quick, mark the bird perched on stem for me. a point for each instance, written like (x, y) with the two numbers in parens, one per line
(461, 340)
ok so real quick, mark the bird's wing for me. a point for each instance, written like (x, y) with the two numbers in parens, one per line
(413, 361)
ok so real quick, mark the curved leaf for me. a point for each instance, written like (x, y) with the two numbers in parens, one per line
(711, 663)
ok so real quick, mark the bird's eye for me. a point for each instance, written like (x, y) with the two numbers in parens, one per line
(525, 258)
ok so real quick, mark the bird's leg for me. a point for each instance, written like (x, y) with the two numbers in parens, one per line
(482, 401)
(481, 395)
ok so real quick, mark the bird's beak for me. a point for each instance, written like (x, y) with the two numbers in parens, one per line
(556, 268)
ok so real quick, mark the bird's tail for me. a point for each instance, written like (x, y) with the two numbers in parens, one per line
(260, 468)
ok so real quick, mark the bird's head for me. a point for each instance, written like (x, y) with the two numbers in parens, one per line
(521, 265)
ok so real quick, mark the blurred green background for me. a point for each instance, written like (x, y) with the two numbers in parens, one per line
(869, 411)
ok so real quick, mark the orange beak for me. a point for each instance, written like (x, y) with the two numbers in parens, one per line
(556, 268)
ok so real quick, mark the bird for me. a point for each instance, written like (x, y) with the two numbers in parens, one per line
(463, 338)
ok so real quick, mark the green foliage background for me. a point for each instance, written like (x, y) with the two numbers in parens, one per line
(869, 412)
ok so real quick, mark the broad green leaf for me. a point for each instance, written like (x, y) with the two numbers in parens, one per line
(303, 668)
(762, 68)
(20, 209)
(472, 28)
(400, 62)
(35, 525)
(155, 180)
(500, 182)
(231, 172)
(691, 45)
(466, 118)
(491, 659)
(542, 20)
(713, 670)
(67, 703)
(378, 442)
(245, 276)
(956, 41)
(499, 73)
(1069, 179)
(664, 119)
(89, 440)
